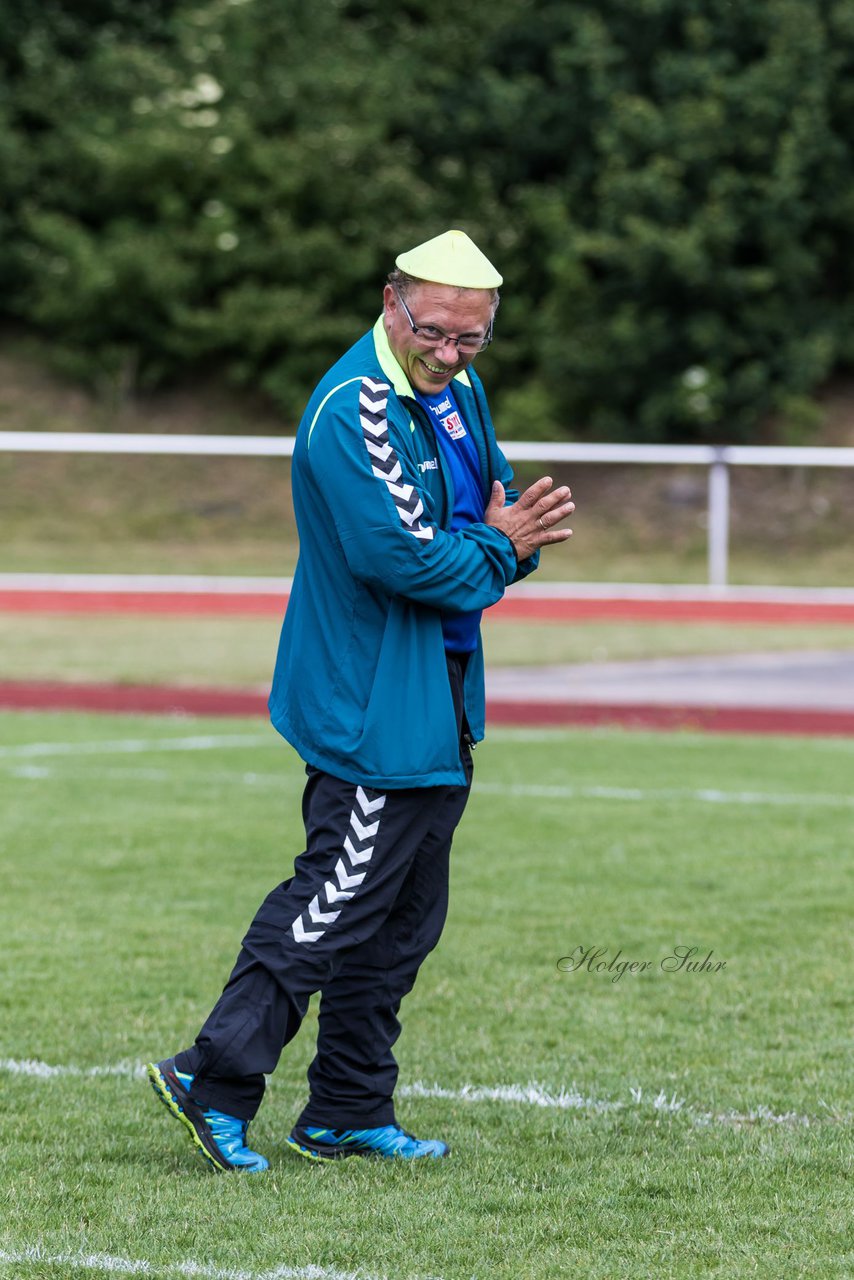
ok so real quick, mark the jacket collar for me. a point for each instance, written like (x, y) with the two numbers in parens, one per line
(392, 370)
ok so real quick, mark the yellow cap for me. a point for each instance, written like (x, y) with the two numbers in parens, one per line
(451, 258)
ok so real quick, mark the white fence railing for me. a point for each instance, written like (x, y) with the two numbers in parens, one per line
(718, 459)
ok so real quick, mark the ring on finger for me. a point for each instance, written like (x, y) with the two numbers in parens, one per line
(544, 527)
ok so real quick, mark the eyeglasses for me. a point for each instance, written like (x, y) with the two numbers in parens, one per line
(466, 343)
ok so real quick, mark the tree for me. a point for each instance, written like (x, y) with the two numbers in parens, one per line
(674, 187)
(666, 185)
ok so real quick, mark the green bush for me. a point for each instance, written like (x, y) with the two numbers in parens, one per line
(221, 186)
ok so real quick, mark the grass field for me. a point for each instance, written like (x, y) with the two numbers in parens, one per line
(241, 651)
(664, 1124)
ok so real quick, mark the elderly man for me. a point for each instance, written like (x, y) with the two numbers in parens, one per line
(407, 532)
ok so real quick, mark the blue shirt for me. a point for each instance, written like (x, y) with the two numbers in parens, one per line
(460, 452)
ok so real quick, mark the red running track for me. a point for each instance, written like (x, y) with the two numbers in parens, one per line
(526, 608)
(38, 695)
(166, 699)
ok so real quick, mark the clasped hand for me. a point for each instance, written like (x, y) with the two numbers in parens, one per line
(530, 522)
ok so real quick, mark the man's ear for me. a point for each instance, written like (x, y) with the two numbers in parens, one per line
(389, 307)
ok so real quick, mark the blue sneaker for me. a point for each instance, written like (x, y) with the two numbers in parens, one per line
(389, 1141)
(220, 1138)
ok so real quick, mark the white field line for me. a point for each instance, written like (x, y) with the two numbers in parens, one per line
(539, 791)
(497, 735)
(109, 1264)
(531, 1094)
(685, 738)
(135, 746)
(704, 795)
(37, 1070)
(275, 781)
(155, 583)
(572, 1099)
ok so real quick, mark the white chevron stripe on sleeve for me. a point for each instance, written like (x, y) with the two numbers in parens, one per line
(373, 402)
(409, 517)
(390, 476)
(381, 451)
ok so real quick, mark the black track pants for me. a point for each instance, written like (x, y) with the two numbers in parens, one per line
(366, 903)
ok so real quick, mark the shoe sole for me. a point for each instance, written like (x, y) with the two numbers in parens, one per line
(329, 1154)
(319, 1157)
(164, 1094)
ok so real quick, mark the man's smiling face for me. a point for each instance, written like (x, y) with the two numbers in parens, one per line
(430, 365)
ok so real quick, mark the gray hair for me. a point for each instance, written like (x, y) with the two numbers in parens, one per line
(404, 283)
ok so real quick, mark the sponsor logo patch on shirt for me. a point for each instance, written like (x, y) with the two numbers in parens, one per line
(453, 424)
(430, 465)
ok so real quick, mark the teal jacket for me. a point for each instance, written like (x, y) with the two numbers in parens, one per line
(361, 687)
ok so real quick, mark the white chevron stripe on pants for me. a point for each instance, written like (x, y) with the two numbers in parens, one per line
(346, 880)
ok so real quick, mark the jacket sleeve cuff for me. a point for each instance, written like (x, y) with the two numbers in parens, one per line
(512, 544)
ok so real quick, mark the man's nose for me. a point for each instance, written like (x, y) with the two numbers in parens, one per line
(449, 349)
